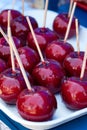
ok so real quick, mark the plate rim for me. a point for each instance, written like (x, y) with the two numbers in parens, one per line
(49, 123)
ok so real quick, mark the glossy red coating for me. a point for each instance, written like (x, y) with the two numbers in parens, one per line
(4, 17)
(5, 49)
(74, 93)
(28, 57)
(58, 50)
(20, 28)
(49, 74)
(44, 36)
(37, 104)
(73, 64)
(11, 84)
(60, 25)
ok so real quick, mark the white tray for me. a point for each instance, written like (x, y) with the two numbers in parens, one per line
(62, 114)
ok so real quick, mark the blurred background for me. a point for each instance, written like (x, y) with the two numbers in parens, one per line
(30, 4)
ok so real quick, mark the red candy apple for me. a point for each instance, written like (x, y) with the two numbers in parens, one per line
(60, 25)
(20, 28)
(73, 63)
(28, 57)
(4, 17)
(11, 84)
(37, 104)
(58, 50)
(74, 93)
(33, 22)
(43, 35)
(49, 74)
(4, 47)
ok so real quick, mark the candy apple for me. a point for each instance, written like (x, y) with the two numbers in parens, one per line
(60, 25)
(28, 57)
(74, 93)
(58, 50)
(49, 74)
(4, 17)
(5, 49)
(73, 64)
(38, 104)
(33, 22)
(43, 35)
(11, 84)
(20, 27)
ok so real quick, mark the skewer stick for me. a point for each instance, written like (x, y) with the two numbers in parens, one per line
(13, 3)
(70, 8)
(70, 21)
(77, 35)
(35, 40)
(11, 49)
(17, 56)
(84, 64)
(45, 13)
(23, 7)
(19, 61)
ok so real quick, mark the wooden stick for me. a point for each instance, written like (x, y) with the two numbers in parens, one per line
(11, 49)
(84, 64)
(70, 8)
(13, 3)
(77, 35)
(9, 14)
(70, 21)
(17, 56)
(19, 61)
(45, 13)
(35, 40)
(23, 7)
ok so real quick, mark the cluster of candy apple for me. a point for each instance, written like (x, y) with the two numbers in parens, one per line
(42, 103)
(74, 90)
(61, 51)
(19, 24)
(39, 103)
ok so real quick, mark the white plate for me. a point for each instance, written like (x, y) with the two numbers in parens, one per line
(62, 114)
